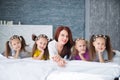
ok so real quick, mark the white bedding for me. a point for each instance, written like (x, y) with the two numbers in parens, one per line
(29, 69)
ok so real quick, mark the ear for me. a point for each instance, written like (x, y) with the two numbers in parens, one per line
(93, 43)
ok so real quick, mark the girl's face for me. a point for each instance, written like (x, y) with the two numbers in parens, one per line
(41, 43)
(99, 44)
(15, 44)
(63, 37)
(81, 46)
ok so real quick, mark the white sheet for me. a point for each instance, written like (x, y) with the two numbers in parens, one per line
(29, 69)
(58, 75)
(89, 71)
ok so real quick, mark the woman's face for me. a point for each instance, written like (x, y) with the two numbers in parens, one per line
(15, 44)
(99, 44)
(41, 43)
(81, 46)
(63, 37)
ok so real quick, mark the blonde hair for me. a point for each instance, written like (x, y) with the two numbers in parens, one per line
(107, 44)
(35, 38)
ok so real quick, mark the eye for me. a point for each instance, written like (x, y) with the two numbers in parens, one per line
(45, 44)
(98, 43)
(62, 35)
(40, 42)
(80, 45)
(84, 45)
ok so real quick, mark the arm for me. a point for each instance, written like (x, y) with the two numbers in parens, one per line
(100, 57)
(82, 57)
(52, 49)
(54, 54)
(16, 55)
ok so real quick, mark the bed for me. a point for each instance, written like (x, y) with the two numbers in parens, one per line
(29, 69)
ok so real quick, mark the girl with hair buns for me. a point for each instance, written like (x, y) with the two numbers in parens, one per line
(17, 47)
(80, 50)
(100, 48)
(40, 50)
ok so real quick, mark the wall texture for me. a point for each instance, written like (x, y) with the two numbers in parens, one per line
(85, 17)
(103, 17)
(46, 12)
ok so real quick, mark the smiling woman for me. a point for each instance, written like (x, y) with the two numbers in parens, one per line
(60, 47)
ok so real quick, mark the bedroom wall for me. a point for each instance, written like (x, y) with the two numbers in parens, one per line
(46, 12)
(103, 17)
(85, 17)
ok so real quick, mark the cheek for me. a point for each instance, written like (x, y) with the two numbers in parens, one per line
(13, 47)
(19, 45)
(104, 47)
(44, 46)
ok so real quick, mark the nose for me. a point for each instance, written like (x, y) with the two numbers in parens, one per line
(42, 45)
(65, 38)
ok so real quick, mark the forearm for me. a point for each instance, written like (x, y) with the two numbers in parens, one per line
(82, 57)
(100, 57)
(16, 55)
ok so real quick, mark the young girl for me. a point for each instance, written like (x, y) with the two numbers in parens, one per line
(80, 50)
(40, 50)
(17, 47)
(60, 47)
(100, 48)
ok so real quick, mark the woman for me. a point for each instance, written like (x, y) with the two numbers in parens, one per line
(60, 47)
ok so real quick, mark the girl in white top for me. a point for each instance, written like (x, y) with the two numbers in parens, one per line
(60, 47)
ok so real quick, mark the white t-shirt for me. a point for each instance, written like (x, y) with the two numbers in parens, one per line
(52, 47)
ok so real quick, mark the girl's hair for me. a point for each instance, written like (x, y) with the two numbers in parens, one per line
(67, 47)
(107, 44)
(75, 51)
(35, 38)
(8, 44)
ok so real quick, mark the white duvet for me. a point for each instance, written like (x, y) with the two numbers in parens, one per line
(29, 69)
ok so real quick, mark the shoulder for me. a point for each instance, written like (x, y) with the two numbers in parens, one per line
(52, 43)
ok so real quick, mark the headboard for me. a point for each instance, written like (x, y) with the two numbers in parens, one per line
(6, 31)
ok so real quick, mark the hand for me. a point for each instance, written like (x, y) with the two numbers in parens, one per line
(42, 50)
(17, 53)
(62, 63)
(56, 58)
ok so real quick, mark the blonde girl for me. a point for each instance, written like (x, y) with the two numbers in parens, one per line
(40, 50)
(80, 50)
(17, 47)
(100, 48)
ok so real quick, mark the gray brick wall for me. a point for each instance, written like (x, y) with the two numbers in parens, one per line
(46, 12)
(85, 17)
(104, 18)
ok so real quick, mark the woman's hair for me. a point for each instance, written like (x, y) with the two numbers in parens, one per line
(107, 44)
(35, 38)
(8, 44)
(67, 47)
